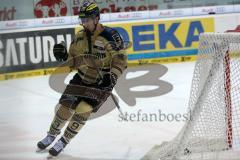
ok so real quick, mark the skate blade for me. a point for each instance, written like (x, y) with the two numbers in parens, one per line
(54, 157)
(51, 157)
(38, 150)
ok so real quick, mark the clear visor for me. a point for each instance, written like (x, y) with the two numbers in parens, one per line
(85, 20)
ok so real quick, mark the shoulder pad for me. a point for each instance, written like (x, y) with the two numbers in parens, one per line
(113, 37)
(78, 37)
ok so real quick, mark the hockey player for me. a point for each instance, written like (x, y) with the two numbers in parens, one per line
(98, 53)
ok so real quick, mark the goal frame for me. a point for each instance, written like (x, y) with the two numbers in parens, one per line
(172, 146)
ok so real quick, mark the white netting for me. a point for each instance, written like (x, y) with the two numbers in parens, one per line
(213, 132)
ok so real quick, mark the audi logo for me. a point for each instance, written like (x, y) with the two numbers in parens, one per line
(137, 15)
(59, 20)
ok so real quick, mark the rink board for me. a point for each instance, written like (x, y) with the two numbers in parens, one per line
(156, 41)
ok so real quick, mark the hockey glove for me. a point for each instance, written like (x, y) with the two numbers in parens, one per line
(60, 52)
(108, 82)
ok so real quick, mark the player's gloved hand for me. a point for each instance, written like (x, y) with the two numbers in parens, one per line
(60, 52)
(108, 82)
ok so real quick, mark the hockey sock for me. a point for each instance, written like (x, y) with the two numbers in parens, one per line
(76, 123)
(60, 119)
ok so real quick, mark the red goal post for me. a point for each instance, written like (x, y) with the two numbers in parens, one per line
(227, 87)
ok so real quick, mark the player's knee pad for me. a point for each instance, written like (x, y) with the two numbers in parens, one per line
(83, 108)
(64, 112)
(82, 113)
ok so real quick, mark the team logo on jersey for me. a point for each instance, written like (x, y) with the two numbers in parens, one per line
(94, 55)
(53, 8)
(99, 44)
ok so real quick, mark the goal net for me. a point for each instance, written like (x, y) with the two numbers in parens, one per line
(213, 130)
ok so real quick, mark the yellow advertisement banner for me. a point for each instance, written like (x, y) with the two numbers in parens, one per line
(161, 39)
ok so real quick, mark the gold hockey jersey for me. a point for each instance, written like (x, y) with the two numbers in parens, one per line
(108, 54)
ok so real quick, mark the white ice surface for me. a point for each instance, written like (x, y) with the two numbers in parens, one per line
(27, 108)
